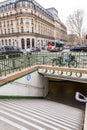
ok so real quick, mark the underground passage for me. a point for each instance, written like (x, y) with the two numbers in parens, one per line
(64, 92)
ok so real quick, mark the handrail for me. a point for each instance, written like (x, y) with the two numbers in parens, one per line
(25, 85)
(83, 99)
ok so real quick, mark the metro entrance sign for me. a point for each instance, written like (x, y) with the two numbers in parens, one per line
(28, 77)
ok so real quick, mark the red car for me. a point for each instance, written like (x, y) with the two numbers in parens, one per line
(49, 46)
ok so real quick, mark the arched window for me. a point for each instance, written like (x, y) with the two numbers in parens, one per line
(32, 42)
(22, 43)
(28, 43)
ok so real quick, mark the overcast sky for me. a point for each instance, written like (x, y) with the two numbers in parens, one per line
(65, 7)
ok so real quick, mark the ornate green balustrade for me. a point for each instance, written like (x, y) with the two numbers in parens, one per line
(12, 63)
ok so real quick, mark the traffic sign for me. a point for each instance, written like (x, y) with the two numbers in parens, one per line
(28, 77)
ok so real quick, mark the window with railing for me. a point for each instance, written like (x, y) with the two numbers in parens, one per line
(32, 21)
(22, 29)
(5, 31)
(21, 20)
(32, 29)
(7, 23)
(0, 24)
(27, 20)
(4, 23)
(27, 30)
(11, 22)
(18, 29)
(1, 31)
(12, 30)
(8, 31)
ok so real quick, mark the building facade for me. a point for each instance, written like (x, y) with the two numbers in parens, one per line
(25, 23)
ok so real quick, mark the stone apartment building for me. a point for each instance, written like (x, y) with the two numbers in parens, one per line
(25, 23)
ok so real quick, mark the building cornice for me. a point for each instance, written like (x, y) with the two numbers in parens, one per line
(26, 34)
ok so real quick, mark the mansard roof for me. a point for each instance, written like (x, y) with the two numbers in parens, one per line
(6, 2)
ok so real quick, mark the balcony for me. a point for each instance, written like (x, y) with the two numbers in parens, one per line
(27, 33)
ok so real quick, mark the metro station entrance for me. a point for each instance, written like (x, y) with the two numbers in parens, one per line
(64, 92)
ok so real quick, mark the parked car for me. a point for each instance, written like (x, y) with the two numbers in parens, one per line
(49, 48)
(56, 49)
(28, 50)
(79, 48)
(66, 49)
(10, 50)
(33, 49)
(37, 49)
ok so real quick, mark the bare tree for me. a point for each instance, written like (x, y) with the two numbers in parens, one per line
(75, 24)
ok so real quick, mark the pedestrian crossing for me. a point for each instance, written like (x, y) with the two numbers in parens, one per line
(38, 114)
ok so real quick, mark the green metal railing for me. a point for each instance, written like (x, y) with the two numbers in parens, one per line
(12, 63)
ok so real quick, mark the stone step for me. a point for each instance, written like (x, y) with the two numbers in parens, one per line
(66, 113)
(36, 113)
(33, 114)
(6, 124)
(37, 118)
